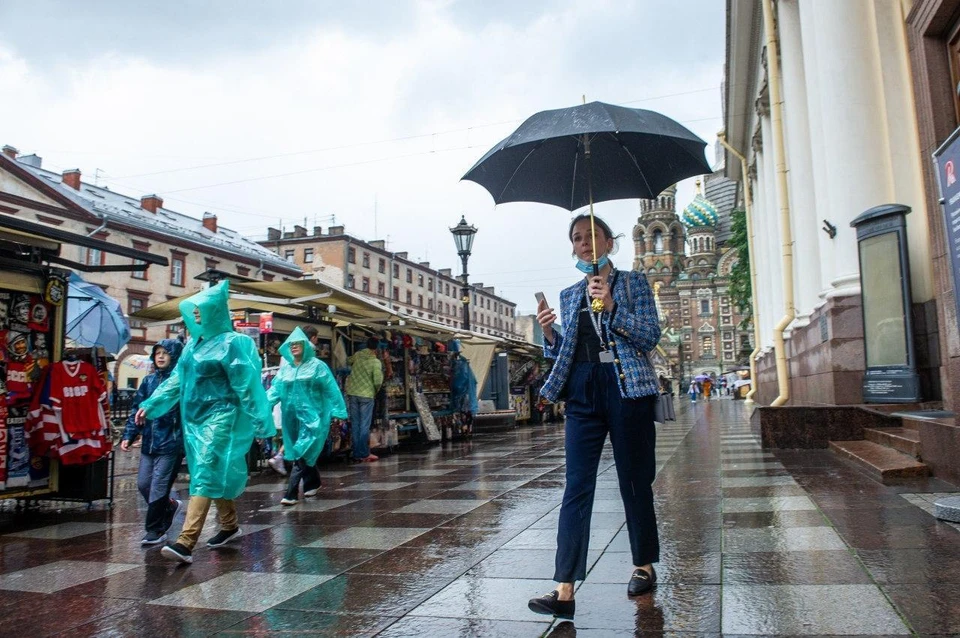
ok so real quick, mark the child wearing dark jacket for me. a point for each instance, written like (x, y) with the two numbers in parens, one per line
(161, 450)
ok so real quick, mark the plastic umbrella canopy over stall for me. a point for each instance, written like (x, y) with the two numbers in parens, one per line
(94, 318)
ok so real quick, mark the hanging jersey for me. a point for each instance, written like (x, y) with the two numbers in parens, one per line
(19, 379)
(79, 397)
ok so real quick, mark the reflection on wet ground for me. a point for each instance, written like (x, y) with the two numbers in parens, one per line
(453, 540)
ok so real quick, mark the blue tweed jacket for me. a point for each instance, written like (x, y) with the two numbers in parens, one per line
(635, 330)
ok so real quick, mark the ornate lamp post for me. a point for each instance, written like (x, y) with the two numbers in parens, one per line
(463, 235)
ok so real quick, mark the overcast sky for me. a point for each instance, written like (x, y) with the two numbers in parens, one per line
(270, 113)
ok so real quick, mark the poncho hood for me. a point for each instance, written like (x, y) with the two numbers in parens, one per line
(297, 336)
(214, 311)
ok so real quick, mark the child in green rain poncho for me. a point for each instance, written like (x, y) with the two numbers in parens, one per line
(223, 407)
(309, 397)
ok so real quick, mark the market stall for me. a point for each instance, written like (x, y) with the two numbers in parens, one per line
(55, 438)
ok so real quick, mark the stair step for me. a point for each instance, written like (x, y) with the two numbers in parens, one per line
(882, 462)
(903, 440)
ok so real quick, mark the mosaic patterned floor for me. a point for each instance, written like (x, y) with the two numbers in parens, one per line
(453, 540)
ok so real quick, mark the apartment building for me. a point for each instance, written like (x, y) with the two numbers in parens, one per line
(392, 278)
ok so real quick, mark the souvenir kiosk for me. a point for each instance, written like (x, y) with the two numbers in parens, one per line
(54, 443)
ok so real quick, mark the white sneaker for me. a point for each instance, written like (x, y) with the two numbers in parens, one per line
(312, 492)
(288, 501)
(276, 464)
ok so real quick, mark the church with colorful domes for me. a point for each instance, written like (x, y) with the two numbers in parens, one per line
(688, 264)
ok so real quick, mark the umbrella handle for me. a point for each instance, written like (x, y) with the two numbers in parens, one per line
(597, 304)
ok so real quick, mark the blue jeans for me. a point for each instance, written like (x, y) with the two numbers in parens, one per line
(155, 479)
(595, 409)
(361, 415)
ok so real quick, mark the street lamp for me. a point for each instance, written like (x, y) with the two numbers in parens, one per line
(463, 235)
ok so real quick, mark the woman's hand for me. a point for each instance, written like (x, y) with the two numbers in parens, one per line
(546, 317)
(599, 289)
(125, 445)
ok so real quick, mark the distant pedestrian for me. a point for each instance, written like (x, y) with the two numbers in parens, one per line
(693, 391)
(707, 388)
(161, 449)
(609, 388)
(309, 397)
(366, 377)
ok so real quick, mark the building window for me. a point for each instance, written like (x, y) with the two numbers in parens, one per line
(409, 297)
(351, 255)
(658, 241)
(429, 304)
(290, 254)
(474, 316)
(308, 255)
(430, 284)
(704, 306)
(396, 271)
(420, 300)
(409, 276)
(707, 345)
(176, 270)
(448, 308)
(140, 274)
(420, 280)
(365, 284)
(91, 256)
(243, 271)
(351, 282)
(396, 293)
(366, 260)
(268, 276)
(381, 289)
(382, 266)
(135, 305)
(448, 290)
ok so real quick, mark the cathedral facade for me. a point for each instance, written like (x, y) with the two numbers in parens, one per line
(689, 270)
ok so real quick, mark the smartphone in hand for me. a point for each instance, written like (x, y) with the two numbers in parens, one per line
(541, 299)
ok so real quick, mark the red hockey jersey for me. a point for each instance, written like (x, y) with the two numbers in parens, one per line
(79, 397)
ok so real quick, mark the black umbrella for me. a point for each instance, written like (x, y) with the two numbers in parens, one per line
(595, 152)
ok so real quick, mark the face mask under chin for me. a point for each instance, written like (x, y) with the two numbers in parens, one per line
(586, 267)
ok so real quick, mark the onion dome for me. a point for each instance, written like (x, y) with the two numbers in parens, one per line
(700, 212)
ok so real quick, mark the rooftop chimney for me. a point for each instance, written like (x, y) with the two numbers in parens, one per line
(9, 151)
(71, 177)
(425, 264)
(299, 231)
(445, 272)
(335, 230)
(151, 203)
(317, 231)
(274, 234)
(400, 255)
(379, 243)
(210, 222)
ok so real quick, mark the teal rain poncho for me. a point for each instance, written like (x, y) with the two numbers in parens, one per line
(222, 400)
(309, 397)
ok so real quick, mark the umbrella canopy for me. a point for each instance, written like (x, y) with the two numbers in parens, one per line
(94, 318)
(701, 377)
(632, 153)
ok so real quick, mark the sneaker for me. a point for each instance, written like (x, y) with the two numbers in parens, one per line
(223, 537)
(313, 492)
(178, 552)
(371, 458)
(288, 501)
(276, 464)
(551, 605)
(153, 538)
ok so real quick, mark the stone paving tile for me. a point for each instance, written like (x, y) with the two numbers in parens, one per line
(65, 531)
(931, 608)
(780, 518)
(280, 622)
(835, 567)
(808, 610)
(768, 504)
(465, 627)
(689, 568)
(785, 539)
(489, 599)
(143, 619)
(243, 591)
(368, 538)
(367, 594)
(670, 608)
(54, 577)
(441, 506)
(912, 566)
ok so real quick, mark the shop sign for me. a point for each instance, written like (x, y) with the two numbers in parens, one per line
(238, 317)
(248, 328)
(946, 159)
(55, 288)
(266, 322)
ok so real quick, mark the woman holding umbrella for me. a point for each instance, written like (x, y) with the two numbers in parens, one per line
(603, 373)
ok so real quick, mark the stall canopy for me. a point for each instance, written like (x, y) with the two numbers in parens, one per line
(302, 297)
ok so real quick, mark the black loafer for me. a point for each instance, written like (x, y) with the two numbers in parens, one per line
(641, 582)
(551, 605)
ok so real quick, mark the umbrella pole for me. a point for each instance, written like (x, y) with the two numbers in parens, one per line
(597, 304)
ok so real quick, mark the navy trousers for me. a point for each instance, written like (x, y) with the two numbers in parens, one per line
(595, 409)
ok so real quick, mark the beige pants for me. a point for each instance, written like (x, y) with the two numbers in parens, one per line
(197, 510)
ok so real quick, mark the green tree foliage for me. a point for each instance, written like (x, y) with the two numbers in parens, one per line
(740, 288)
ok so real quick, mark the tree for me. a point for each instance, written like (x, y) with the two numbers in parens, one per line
(741, 291)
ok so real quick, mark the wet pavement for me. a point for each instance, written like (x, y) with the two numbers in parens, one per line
(453, 540)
